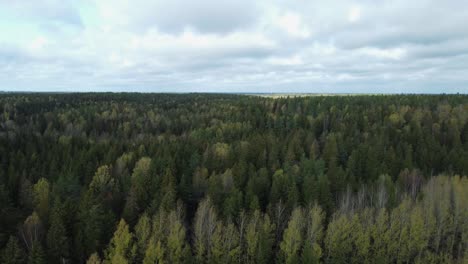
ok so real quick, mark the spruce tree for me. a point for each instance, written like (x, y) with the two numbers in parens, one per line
(13, 253)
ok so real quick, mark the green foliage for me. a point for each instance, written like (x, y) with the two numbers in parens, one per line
(139, 196)
(338, 241)
(94, 228)
(225, 244)
(204, 228)
(380, 235)
(311, 253)
(143, 235)
(231, 178)
(178, 250)
(94, 259)
(37, 256)
(259, 238)
(155, 253)
(32, 231)
(122, 248)
(41, 192)
(13, 253)
(57, 241)
(293, 237)
(103, 186)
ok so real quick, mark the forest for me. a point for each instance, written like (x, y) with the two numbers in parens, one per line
(102, 178)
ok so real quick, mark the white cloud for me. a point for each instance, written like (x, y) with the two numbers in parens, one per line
(189, 40)
(293, 60)
(38, 43)
(292, 24)
(354, 14)
(393, 53)
(213, 16)
(230, 45)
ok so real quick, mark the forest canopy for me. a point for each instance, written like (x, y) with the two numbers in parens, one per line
(219, 178)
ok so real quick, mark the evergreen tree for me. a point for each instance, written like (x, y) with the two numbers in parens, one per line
(36, 255)
(121, 249)
(311, 253)
(140, 191)
(178, 251)
(13, 253)
(265, 241)
(371, 173)
(338, 240)
(154, 253)
(94, 259)
(57, 241)
(380, 237)
(142, 234)
(293, 237)
(41, 198)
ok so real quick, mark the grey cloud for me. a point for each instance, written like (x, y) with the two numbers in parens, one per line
(440, 50)
(393, 46)
(388, 23)
(206, 16)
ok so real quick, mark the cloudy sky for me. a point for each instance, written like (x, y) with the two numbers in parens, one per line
(398, 46)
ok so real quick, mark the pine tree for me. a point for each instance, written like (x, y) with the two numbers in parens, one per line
(251, 236)
(142, 234)
(265, 241)
(177, 248)
(94, 228)
(361, 223)
(154, 253)
(103, 187)
(94, 259)
(315, 218)
(57, 241)
(418, 236)
(259, 238)
(399, 231)
(338, 240)
(37, 256)
(293, 237)
(41, 198)
(380, 236)
(121, 249)
(13, 253)
(324, 194)
(279, 187)
(311, 253)
(140, 190)
(168, 200)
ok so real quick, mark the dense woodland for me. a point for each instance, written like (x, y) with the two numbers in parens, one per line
(207, 178)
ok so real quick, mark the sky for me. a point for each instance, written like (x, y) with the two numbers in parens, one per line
(262, 46)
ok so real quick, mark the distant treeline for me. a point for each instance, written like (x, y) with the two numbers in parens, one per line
(216, 178)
